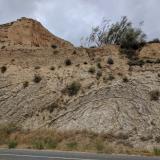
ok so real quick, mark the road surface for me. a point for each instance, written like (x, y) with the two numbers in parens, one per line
(6, 154)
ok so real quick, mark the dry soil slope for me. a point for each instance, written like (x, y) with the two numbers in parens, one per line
(121, 109)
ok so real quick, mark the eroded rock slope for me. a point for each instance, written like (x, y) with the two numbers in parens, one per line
(114, 98)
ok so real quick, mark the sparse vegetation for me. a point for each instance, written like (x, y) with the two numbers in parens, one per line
(52, 106)
(154, 95)
(54, 46)
(73, 88)
(37, 67)
(122, 33)
(12, 144)
(6, 130)
(66, 140)
(38, 144)
(125, 79)
(110, 61)
(132, 39)
(92, 70)
(156, 151)
(68, 62)
(149, 61)
(99, 145)
(156, 40)
(37, 78)
(98, 59)
(55, 52)
(157, 61)
(25, 84)
(99, 74)
(52, 68)
(111, 77)
(105, 79)
(46, 142)
(12, 60)
(93, 100)
(72, 145)
(3, 69)
(3, 47)
(74, 52)
(92, 47)
(99, 65)
(136, 63)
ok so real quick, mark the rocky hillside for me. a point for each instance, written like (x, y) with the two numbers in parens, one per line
(45, 82)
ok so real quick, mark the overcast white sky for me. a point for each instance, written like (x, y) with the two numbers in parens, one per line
(72, 19)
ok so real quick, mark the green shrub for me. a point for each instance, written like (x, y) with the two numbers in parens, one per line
(3, 69)
(72, 145)
(92, 70)
(156, 151)
(68, 62)
(121, 33)
(12, 144)
(37, 78)
(130, 53)
(73, 88)
(132, 39)
(44, 143)
(154, 95)
(6, 130)
(50, 143)
(110, 61)
(99, 145)
(38, 144)
(9, 128)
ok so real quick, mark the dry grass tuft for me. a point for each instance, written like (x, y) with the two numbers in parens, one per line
(85, 141)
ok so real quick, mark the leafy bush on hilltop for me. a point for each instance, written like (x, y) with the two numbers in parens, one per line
(121, 33)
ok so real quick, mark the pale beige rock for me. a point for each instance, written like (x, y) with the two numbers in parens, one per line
(121, 109)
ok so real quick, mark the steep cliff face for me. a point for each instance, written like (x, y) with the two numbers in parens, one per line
(114, 98)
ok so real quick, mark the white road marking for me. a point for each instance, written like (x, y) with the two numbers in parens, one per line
(32, 156)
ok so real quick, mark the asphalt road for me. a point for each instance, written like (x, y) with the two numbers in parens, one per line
(49, 155)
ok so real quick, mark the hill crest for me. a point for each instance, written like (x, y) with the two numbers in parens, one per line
(26, 31)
